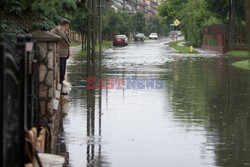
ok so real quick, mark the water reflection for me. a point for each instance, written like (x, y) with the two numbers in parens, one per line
(213, 94)
(82, 126)
(199, 118)
(94, 148)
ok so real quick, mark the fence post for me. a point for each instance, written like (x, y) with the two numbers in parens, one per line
(2, 152)
(11, 108)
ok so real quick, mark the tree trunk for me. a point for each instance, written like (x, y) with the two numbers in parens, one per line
(248, 20)
(82, 41)
(232, 25)
(85, 42)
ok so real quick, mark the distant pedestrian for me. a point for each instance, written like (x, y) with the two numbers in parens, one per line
(64, 44)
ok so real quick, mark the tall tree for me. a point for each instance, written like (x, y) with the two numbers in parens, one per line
(78, 19)
(32, 15)
(232, 25)
(138, 22)
(193, 15)
(248, 20)
(153, 24)
(116, 23)
(231, 12)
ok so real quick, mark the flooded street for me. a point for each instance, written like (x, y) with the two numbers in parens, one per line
(200, 117)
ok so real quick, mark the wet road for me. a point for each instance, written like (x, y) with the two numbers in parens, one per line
(200, 117)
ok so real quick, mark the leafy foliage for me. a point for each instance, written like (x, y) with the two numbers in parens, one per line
(194, 21)
(29, 15)
(79, 18)
(212, 42)
(193, 14)
(171, 9)
(138, 22)
(222, 8)
(22, 16)
(117, 23)
(125, 23)
(153, 24)
(53, 6)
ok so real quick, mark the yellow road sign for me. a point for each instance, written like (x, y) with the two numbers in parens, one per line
(177, 22)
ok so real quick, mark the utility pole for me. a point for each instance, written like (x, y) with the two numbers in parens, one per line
(93, 29)
(100, 38)
(91, 73)
(88, 36)
(100, 74)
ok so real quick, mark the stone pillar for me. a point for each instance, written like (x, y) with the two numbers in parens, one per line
(47, 50)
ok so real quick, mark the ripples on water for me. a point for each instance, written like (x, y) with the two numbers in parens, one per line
(199, 118)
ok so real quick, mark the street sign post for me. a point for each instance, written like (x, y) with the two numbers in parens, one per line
(177, 22)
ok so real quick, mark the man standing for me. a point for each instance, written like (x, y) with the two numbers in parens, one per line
(63, 45)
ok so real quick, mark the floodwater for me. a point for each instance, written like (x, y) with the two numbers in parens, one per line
(198, 116)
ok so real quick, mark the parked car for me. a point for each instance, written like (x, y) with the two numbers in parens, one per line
(179, 33)
(153, 36)
(125, 37)
(173, 34)
(139, 37)
(120, 40)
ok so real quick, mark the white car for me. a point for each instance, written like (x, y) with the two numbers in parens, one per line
(153, 36)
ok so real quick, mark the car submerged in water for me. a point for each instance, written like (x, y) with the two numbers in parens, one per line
(139, 37)
(120, 40)
(175, 34)
(153, 36)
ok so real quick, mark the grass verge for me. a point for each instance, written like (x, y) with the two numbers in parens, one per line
(105, 45)
(238, 53)
(182, 49)
(82, 53)
(244, 64)
(75, 43)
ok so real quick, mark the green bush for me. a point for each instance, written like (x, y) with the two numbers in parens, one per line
(212, 42)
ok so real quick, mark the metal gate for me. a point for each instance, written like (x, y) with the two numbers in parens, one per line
(19, 107)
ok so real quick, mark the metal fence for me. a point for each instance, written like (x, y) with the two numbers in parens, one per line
(19, 106)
